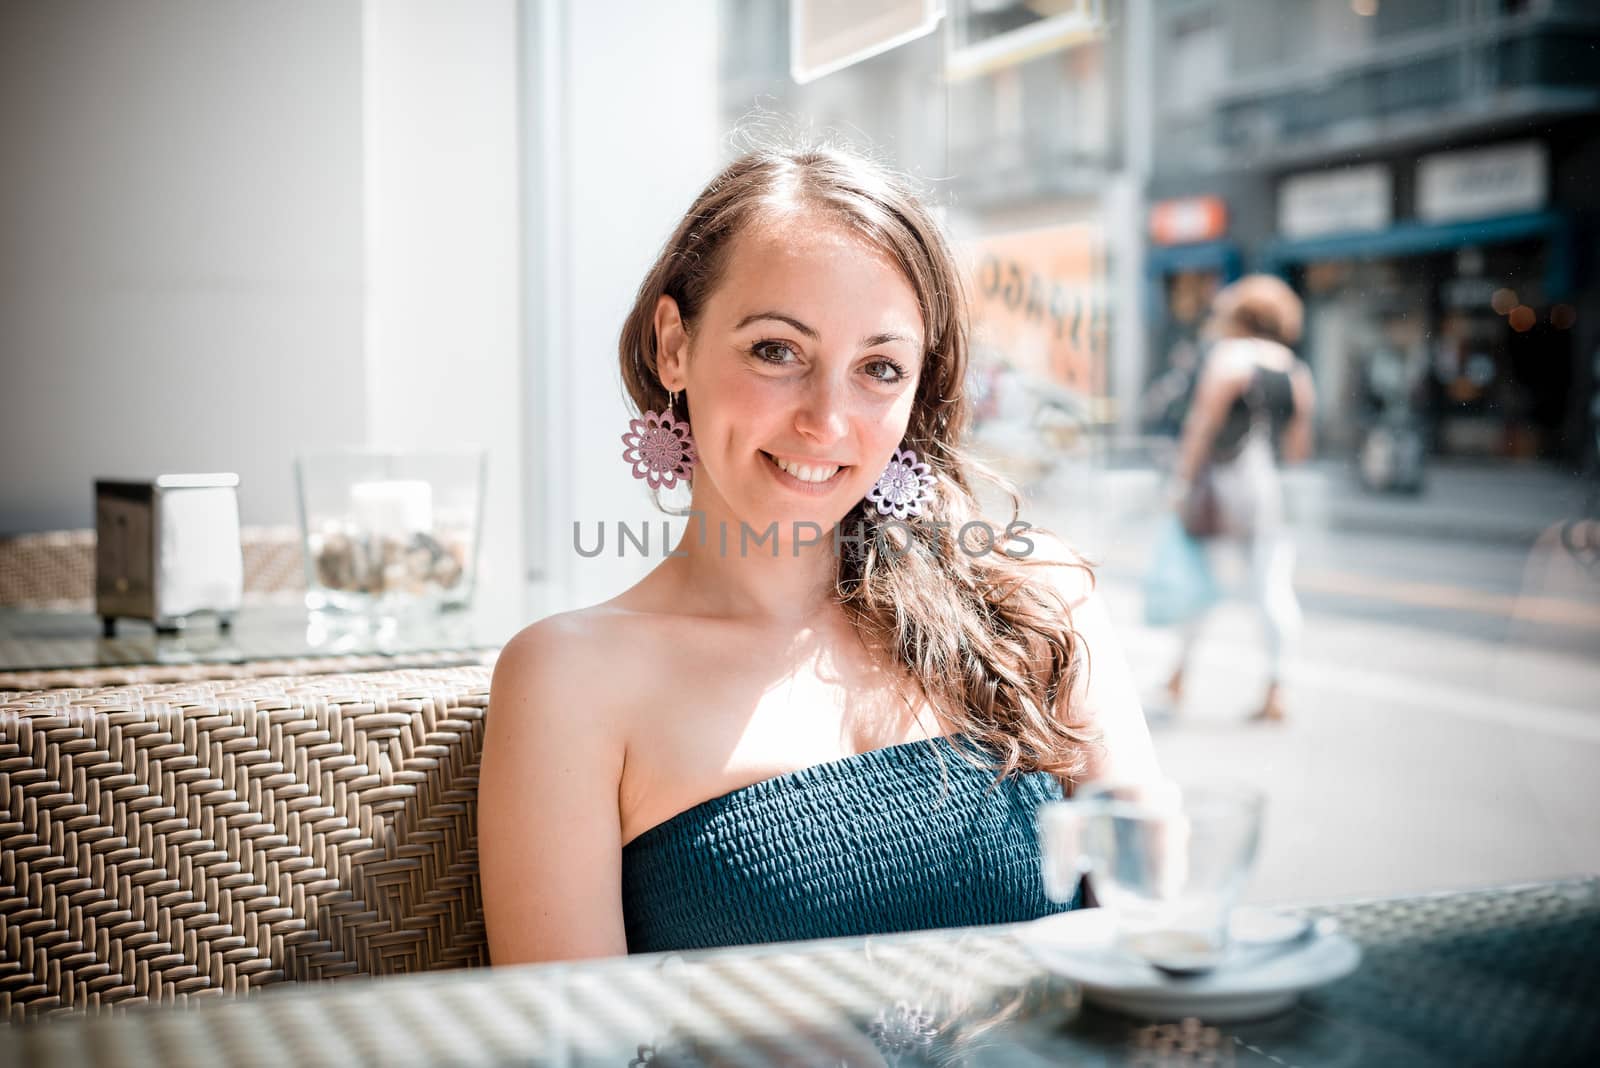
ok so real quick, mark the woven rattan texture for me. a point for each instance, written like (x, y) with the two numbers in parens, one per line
(55, 569)
(137, 674)
(164, 843)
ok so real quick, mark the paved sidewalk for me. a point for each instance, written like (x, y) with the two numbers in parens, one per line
(1511, 503)
(1410, 761)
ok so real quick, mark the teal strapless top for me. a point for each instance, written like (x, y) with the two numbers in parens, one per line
(867, 844)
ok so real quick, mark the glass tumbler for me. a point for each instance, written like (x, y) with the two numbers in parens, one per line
(1169, 859)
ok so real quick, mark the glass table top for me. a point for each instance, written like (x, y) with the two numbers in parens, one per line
(1491, 977)
(36, 640)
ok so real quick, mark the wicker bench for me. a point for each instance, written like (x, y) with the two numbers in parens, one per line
(169, 842)
(55, 569)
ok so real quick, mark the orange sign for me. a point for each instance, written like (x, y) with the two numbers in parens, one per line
(1039, 302)
(1188, 219)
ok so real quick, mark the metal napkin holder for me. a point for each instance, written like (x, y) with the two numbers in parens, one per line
(167, 548)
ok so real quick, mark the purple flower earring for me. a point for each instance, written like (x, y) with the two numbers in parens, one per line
(659, 448)
(905, 486)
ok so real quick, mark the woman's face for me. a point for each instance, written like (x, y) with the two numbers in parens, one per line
(800, 372)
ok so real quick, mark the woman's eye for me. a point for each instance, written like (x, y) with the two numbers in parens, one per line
(772, 352)
(886, 370)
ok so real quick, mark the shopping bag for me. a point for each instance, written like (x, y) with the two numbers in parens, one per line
(1179, 585)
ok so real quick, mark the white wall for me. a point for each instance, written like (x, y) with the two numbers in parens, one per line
(233, 230)
(633, 138)
(442, 257)
(180, 246)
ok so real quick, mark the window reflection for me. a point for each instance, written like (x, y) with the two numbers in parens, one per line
(1424, 176)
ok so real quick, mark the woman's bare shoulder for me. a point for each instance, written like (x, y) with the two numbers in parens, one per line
(567, 661)
(1233, 357)
(579, 633)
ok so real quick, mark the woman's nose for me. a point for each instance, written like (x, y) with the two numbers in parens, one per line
(823, 416)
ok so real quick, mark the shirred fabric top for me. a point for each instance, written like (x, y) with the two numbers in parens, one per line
(868, 844)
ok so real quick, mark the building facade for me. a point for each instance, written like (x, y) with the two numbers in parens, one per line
(1427, 176)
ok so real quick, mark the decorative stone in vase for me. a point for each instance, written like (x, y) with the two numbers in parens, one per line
(390, 531)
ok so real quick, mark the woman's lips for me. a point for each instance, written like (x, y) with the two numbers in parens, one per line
(815, 489)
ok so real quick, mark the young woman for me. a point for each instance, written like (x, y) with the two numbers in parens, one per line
(780, 733)
(1252, 411)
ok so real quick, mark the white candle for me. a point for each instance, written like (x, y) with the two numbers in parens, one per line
(398, 508)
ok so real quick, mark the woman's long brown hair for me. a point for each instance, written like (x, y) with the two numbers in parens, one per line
(990, 645)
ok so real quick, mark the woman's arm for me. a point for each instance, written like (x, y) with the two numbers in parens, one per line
(1103, 694)
(1296, 445)
(549, 835)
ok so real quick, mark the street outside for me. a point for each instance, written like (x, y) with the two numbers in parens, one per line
(1443, 728)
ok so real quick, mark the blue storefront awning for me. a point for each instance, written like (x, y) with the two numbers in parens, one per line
(1413, 239)
(1419, 239)
(1220, 256)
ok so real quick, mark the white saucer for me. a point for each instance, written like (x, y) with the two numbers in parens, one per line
(1079, 945)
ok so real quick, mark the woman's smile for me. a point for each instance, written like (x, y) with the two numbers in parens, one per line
(810, 477)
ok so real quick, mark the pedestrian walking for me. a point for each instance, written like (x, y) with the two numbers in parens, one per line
(1252, 414)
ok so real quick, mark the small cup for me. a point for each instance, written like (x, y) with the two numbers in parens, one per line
(1168, 858)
